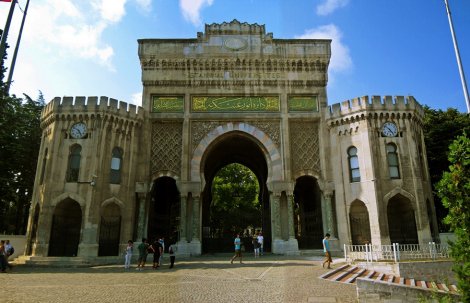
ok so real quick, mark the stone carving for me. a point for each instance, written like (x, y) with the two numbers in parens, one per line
(304, 146)
(270, 128)
(199, 129)
(167, 147)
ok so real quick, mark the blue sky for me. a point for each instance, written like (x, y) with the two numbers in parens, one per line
(380, 47)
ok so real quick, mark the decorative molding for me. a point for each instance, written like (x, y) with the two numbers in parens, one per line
(270, 128)
(200, 129)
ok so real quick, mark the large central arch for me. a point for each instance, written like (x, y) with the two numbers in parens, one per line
(236, 146)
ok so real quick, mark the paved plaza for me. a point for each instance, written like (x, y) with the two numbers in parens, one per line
(205, 279)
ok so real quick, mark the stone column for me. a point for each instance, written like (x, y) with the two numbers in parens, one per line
(290, 213)
(330, 226)
(196, 219)
(141, 219)
(196, 223)
(275, 216)
(182, 227)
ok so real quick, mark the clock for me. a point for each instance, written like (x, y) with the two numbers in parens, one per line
(389, 129)
(78, 130)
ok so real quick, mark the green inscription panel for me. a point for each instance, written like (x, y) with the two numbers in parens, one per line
(303, 104)
(236, 104)
(168, 104)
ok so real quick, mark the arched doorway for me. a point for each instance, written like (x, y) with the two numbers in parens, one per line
(360, 225)
(401, 221)
(308, 213)
(110, 230)
(66, 227)
(164, 210)
(240, 148)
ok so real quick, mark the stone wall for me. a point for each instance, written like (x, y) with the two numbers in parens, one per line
(437, 271)
(371, 291)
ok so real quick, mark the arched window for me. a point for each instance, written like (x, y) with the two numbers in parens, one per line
(73, 168)
(392, 158)
(43, 167)
(355, 175)
(116, 165)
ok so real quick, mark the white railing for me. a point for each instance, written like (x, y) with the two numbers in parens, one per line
(395, 252)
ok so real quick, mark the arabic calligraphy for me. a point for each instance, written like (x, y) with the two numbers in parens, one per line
(303, 104)
(236, 103)
(168, 104)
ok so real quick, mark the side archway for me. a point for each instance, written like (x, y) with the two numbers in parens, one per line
(360, 225)
(110, 229)
(401, 220)
(66, 227)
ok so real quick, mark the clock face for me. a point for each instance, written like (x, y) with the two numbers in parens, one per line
(389, 129)
(78, 130)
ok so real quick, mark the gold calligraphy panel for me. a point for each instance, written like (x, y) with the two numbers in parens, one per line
(303, 104)
(235, 104)
(167, 104)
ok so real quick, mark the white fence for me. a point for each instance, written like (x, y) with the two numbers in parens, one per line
(395, 252)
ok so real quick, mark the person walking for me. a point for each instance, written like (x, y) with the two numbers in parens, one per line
(143, 252)
(260, 241)
(129, 250)
(157, 252)
(326, 249)
(172, 251)
(9, 250)
(238, 249)
(256, 246)
(162, 242)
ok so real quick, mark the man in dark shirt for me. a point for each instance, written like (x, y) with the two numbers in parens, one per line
(157, 252)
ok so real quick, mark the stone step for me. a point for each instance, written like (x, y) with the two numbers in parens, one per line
(349, 274)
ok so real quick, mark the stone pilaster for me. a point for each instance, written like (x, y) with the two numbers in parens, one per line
(330, 222)
(182, 227)
(142, 218)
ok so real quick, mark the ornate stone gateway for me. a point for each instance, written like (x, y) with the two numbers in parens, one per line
(234, 94)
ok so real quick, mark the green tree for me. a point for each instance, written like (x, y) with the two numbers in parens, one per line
(20, 139)
(235, 204)
(440, 129)
(454, 190)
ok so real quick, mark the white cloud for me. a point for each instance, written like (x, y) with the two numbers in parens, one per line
(136, 99)
(145, 5)
(329, 6)
(74, 29)
(340, 59)
(191, 9)
(111, 10)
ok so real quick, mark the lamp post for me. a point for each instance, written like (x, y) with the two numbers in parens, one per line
(457, 54)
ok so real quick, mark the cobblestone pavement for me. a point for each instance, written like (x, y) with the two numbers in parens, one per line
(199, 279)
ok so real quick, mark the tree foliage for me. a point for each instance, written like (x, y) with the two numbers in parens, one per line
(440, 129)
(454, 190)
(20, 139)
(235, 204)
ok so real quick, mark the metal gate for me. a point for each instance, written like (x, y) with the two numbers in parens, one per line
(110, 233)
(360, 228)
(65, 236)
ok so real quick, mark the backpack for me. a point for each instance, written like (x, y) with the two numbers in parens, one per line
(170, 250)
(11, 251)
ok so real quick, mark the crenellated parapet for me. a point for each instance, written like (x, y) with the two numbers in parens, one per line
(235, 27)
(377, 107)
(89, 108)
